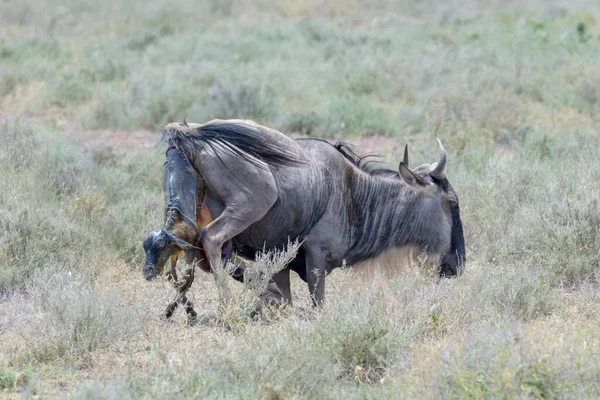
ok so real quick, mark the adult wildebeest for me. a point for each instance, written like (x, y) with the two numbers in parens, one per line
(264, 188)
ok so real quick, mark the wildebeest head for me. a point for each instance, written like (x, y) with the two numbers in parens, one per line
(432, 182)
(159, 245)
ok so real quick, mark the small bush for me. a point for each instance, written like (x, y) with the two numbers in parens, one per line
(305, 123)
(9, 81)
(354, 116)
(87, 204)
(62, 178)
(104, 156)
(259, 273)
(69, 317)
(69, 89)
(242, 100)
(149, 101)
(107, 110)
(102, 63)
(19, 146)
(7, 379)
(364, 353)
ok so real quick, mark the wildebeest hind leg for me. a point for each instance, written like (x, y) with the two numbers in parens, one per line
(282, 280)
(229, 224)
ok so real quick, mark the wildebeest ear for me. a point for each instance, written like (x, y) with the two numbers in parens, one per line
(409, 176)
(180, 243)
(405, 157)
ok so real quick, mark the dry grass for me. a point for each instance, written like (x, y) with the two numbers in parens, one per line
(510, 87)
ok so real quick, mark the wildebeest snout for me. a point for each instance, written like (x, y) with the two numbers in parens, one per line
(449, 266)
(452, 263)
(150, 271)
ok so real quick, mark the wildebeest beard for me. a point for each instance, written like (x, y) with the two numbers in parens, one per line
(453, 260)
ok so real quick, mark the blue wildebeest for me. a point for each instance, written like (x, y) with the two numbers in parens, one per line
(263, 188)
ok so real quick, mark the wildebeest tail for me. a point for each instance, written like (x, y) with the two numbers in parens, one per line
(247, 141)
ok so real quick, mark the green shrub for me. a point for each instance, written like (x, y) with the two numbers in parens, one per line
(69, 317)
(242, 100)
(354, 116)
(7, 379)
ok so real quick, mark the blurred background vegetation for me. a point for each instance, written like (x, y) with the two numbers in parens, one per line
(320, 67)
(511, 87)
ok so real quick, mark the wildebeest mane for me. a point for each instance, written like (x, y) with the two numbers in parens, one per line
(245, 141)
(368, 163)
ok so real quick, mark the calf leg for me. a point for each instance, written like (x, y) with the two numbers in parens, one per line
(192, 315)
(172, 272)
(181, 297)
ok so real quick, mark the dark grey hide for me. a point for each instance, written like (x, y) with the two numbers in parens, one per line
(265, 188)
(180, 228)
(182, 211)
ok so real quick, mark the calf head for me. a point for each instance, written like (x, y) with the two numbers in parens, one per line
(159, 245)
(431, 181)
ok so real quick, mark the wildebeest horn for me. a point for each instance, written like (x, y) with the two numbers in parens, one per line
(405, 158)
(185, 121)
(437, 169)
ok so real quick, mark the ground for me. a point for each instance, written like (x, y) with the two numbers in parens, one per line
(511, 89)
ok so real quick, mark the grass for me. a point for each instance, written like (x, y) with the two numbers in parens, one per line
(512, 91)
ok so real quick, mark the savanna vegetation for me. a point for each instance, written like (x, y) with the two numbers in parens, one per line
(512, 89)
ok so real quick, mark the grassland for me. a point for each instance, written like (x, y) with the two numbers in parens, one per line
(512, 89)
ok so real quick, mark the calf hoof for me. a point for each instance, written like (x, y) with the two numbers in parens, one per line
(170, 310)
(192, 318)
